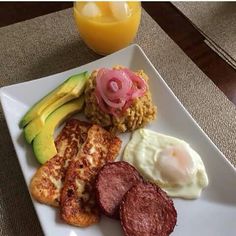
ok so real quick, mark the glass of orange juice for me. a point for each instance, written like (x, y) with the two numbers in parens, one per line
(107, 26)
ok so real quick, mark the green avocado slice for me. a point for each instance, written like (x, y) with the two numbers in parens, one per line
(66, 87)
(43, 144)
(35, 126)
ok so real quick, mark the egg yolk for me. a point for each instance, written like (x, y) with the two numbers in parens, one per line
(175, 164)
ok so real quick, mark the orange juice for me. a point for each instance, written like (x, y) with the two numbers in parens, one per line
(105, 27)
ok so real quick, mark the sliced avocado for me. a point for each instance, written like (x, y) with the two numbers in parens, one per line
(35, 126)
(43, 144)
(66, 87)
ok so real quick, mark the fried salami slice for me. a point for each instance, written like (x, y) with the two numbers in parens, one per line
(47, 182)
(77, 203)
(146, 210)
(113, 181)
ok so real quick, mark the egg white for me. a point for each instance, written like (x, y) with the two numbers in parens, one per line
(144, 151)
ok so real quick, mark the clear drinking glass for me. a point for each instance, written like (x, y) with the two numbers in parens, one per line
(107, 26)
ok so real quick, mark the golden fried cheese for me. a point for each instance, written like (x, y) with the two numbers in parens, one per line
(47, 182)
(77, 203)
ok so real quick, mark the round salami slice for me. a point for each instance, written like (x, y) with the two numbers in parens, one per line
(146, 210)
(113, 181)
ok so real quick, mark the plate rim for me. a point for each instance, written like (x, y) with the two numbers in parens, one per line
(118, 52)
(3, 91)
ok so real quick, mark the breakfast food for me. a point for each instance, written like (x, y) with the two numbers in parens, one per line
(71, 138)
(143, 208)
(70, 89)
(147, 210)
(77, 203)
(76, 85)
(167, 161)
(107, 26)
(47, 182)
(119, 99)
(113, 181)
(43, 144)
(78, 174)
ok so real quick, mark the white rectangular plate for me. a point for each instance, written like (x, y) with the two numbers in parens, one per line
(212, 214)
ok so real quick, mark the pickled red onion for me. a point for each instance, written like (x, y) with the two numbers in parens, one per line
(113, 86)
(104, 107)
(117, 88)
(100, 102)
(106, 76)
(139, 85)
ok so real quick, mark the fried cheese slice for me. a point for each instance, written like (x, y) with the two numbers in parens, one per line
(47, 182)
(77, 203)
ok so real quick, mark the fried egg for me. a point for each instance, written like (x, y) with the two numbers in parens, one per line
(168, 162)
